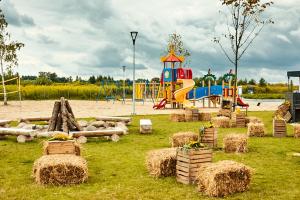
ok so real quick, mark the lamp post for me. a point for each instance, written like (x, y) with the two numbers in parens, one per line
(133, 37)
(124, 67)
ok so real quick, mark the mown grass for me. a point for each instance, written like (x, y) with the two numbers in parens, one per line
(117, 170)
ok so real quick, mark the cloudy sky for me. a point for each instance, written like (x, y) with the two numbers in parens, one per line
(76, 37)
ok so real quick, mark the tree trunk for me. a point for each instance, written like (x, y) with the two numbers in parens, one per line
(3, 84)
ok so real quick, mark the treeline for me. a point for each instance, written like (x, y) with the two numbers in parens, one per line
(262, 82)
(49, 78)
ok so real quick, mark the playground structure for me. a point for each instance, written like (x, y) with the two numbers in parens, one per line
(146, 90)
(175, 82)
(18, 90)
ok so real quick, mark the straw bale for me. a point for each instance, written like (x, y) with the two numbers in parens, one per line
(161, 162)
(235, 143)
(221, 122)
(204, 116)
(253, 120)
(60, 169)
(297, 130)
(182, 138)
(256, 129)
(177, 117)
(224, 178)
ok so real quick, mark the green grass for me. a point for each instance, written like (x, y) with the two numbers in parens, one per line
(117, 170)
(264, 96)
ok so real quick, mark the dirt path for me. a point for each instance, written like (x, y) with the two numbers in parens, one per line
(82, 109)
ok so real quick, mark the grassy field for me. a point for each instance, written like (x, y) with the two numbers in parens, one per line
(117, 170)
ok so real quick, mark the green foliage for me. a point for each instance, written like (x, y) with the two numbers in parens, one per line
(117, 170)
(262, 82)
(252, 82)
(80, 91)
(264, 96)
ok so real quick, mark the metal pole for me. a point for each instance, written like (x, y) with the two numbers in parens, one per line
(124, 95)
(133, 87)
(299, 84)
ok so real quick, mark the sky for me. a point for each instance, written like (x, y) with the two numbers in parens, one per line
(84, 38)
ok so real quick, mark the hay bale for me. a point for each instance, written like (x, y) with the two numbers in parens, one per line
(256, 129)
(253, 120)
(297, 130)
(161, 162)
(60, 170)
(225, 113)
(235, 143)
(182, 138)
(221, 122)
(204, 116)
(177, 117)
(224, 178)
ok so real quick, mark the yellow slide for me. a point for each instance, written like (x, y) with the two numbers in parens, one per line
(180, 95)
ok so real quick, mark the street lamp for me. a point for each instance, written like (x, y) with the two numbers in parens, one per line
(124, 67)
(133, 37)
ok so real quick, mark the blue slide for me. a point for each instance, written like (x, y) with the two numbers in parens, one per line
(203, 92)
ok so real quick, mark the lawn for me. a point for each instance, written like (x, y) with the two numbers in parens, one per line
(117, 170)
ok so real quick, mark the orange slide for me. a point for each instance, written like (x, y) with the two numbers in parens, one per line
(180, 95)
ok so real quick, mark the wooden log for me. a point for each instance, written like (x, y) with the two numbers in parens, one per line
(114, 119)
(98, 133)
(32, 119)
(74, 122)
(17, 132)
(69, 108)
(58, 126)
(54, 118)
(64, 115)
(4, 122)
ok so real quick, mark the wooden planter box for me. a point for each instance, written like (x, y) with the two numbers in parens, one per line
(188, 163)
(279, 128)
(239, 120)
(60, 147)
(210, 137)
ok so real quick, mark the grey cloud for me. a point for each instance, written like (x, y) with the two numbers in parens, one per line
(44, 39)
(13, 17)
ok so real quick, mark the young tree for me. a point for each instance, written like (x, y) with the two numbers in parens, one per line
(175, 40)
(252, 82)
(262, 82)
(8, 52)
(92, 80)
(244, 23)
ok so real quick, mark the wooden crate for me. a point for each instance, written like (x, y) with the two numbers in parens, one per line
(191, 115)
(239, 120)
(210, 137)
(279, 128)
(60, 147)
(188, 163)
(145, 126)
